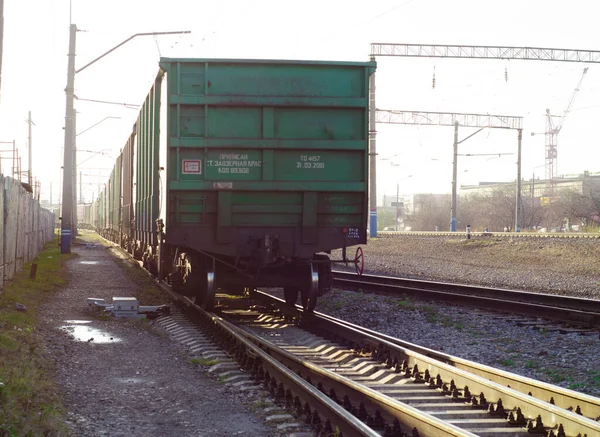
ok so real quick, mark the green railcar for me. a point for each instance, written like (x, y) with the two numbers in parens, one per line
(247, 172)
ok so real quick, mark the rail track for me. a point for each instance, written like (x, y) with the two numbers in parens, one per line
(536, 235)
(583, 313)
(344, 379)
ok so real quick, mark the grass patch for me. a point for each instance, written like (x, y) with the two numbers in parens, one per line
(203, 362)
(405, 304)
(577, 386)
(530, 364)
(555, 376)
(30, 404)
(507, 362)
(222, 379)
(431, 314)
(338, 305)
(260, 405)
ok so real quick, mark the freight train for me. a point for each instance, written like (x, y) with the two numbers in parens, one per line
(241, 174)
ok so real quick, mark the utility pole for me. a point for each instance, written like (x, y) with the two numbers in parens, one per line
(67, 192)
(74, 222)
(519, 208)
(80, 188)
(1, 34)
(454, 171)
(29, 171)
(68, 227)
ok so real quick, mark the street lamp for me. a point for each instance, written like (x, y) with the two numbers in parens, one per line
(68, 220)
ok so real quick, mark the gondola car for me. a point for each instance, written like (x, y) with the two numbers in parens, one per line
(244, 173)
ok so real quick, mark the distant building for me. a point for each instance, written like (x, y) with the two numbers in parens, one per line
(540, 189)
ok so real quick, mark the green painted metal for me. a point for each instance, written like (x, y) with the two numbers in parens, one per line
(113, 193)
(147, 167)
(267, 143)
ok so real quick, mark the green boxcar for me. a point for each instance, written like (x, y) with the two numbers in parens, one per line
(266, 166)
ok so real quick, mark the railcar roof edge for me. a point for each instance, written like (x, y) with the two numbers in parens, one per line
(372, 64)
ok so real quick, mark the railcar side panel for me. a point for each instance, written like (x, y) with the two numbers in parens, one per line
(147, 170)
(127, 224)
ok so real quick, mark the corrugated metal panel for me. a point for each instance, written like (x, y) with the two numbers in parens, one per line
(287, 138)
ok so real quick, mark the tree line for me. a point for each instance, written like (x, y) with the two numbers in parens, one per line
(569, 209)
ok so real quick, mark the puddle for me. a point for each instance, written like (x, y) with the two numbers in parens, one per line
(89, 262)
(81, 332)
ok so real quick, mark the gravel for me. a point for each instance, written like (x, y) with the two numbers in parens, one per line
(140, 383)
(127, 378)
(560, 266)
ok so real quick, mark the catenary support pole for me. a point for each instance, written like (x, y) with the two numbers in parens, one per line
(519, 206)
(29, 122)
(74, 222)
(67, 191)
(372, 157)
(454, 174)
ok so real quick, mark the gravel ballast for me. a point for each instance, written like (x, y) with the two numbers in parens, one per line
(558, 266)
(141, 383)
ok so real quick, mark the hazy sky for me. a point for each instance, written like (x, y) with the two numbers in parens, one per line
(35, 66)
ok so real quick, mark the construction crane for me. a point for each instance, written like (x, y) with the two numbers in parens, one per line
(551, 134)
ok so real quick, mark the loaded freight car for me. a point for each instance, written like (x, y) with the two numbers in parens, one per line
(248, 172)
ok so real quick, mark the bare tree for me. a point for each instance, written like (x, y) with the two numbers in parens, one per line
(430, 212)
(582, 206)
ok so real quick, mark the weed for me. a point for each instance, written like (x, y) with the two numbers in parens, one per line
(575, 385)
(259, 405)
(507, 362)
(203, 362)
(530, 364)
(29, 389)
(431, 314)
(222, 379)
(555, 376)
(338, 305)
(405, 304)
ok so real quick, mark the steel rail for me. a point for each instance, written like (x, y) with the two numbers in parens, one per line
(562, 308)
(339, 418)
(551, 414)
(530, 406)
(327, 409)
(408, 416)
(562, 397)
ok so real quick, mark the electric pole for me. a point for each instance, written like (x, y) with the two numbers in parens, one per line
(29, 171)
(67, 192)
(1, 34)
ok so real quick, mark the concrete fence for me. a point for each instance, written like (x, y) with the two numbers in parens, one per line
(25, 227)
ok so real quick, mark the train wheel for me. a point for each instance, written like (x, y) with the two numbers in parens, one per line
(210, 290)
(290, 294)
(310, 290)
